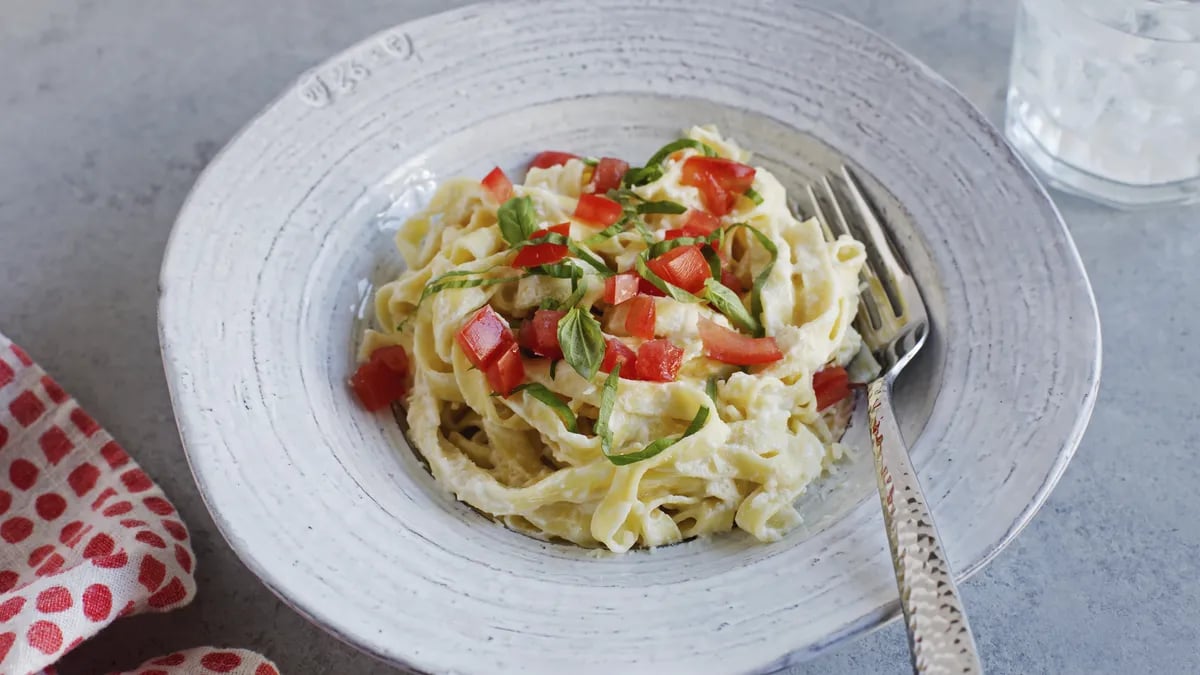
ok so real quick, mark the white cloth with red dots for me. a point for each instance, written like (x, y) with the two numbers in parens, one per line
(85, 536)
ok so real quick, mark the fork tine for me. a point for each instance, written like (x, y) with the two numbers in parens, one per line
(873, 315)
(866, 227)
(874, 231)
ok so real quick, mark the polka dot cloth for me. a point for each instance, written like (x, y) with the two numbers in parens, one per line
(85, 536)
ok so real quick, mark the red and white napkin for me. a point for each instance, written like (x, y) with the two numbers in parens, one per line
(86, 537)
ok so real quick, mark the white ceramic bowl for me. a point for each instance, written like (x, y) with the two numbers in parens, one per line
(264, 278)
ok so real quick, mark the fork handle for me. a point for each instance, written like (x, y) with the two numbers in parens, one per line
(939, 637)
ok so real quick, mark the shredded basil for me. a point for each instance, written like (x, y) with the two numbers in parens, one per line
(642, 175)
(608, 398)
(591, 161)
(661, 247)
(675, 146)
(710, 388)
(753, 196)
(517, 219)
(608, 232)
(438, 285)
(761, 279)
(670, 289)
(581, 341)
(575, 249)
(728, 303)
(713, 260)
(554, 367)
(663, 443)
(541, 393)
(562, 270)
(665, 206)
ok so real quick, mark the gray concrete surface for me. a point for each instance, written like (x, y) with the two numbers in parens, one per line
(109, 109)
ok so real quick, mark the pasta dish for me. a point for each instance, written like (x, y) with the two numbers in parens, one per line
(621, 356)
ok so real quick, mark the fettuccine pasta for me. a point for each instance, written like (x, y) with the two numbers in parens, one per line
(729, 320)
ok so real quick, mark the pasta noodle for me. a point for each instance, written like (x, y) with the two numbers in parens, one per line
(515, 458)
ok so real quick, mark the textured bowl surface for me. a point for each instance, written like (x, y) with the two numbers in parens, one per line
(271, 258)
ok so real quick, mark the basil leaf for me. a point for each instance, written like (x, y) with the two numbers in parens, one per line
(753, 196)
(668, 207)
(661, 444)
(581, 253)
(541, 393)
(554, 367)
(608, 397)
(671, 290)
(728, 303)
(675, 146)
(438, 285)
(661, 247)
(575, 249)
(517, 219)
(557, 270)
(642, 175)
(761, 279)
(578, 290)
(608, 232)
(710, 388)
(640, 226)
(581, 341)
(624, 196)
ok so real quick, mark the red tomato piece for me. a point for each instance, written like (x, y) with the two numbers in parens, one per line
(658, 361)
(596, 210)
(383, 379)
(616, 352)
(540, 333)
(607, 175)
(543, 254)
(498, 184)
(683, 266)
(620, 287)
(507, 371)
(700, 221)
(831, 384)
(484, 337)
(549, 158)
(730, 346)
(720, 181)
(639, 322)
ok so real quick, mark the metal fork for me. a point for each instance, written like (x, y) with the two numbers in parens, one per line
(894, 325)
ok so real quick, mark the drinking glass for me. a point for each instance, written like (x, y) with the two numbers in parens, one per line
(1104, 98)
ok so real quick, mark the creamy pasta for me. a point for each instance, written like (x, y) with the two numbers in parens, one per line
(550, 458)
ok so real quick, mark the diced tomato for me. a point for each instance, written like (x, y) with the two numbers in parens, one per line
(540, 333)
(831, 384)
(507, 372)
(596, 210)
(484, 337)
(543, 254)
(649, 289)
(383, 379)
(683, 266)
(729, 346)
(720, 181)
(608, 174)
(498, 184)
(549, 158)
(620, 287)
(639, 322)
(616, 352)
(658, 361)
(700, 221)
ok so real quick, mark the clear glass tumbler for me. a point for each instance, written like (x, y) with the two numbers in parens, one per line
(1104, 98)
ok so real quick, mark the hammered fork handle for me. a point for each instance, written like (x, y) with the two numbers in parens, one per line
(939, 638)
